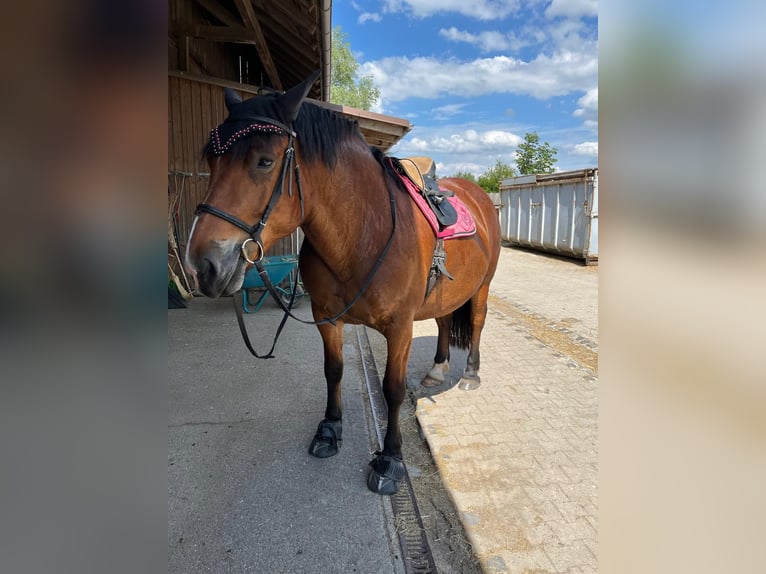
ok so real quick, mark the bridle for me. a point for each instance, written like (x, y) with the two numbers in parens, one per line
(269, 125)
(254, 231)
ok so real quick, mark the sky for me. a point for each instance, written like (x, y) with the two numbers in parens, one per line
(473, 76)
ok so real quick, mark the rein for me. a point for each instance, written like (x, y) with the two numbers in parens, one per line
(254, 231)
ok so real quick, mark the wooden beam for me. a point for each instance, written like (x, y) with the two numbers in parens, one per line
(287, 22)
(220, 12)
(355, 113)
(381, 128)
(246, 11)
(238, 34)
(207, 79)
(184, 53)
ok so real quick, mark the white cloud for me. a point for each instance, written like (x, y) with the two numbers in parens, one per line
(588, 109)
(467, 141)
(501, 139)
(480, 9)
(572, 8)
(475, 147)
(588, 104)
(486, 41)
(446, 111)
(586, 148)
(400, 78)
(447, 169)
(369, 16)
(460, 148)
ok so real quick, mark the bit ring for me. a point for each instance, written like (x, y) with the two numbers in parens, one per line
(244, 251)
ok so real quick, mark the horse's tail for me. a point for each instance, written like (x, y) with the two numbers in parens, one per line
(462, 329)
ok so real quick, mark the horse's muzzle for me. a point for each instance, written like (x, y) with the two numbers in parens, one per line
(217, 272)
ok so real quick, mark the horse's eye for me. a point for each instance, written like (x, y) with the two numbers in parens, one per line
(265, 162)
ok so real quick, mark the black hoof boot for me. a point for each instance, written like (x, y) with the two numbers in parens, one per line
(386, 474)
(327, 440)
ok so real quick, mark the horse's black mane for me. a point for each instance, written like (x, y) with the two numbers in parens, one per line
(321, 132)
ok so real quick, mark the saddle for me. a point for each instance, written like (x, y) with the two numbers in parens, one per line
(422, 172)
(446, 214)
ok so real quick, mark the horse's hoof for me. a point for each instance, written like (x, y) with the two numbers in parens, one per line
(436, 376)
(327, 440)
(469, 383)
(386, 474)
(430, 382)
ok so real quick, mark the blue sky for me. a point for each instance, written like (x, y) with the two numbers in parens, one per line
(473, 76)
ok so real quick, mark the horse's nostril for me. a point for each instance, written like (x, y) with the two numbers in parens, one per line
(207, 270)
(208, 277)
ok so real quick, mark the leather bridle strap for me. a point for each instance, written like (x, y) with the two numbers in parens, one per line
(207, 208)
(254, 231)
(238, 299)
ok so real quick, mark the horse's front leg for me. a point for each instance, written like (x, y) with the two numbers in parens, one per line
(387, 468)
(329, 435)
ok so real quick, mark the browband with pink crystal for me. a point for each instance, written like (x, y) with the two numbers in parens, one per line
(222, 142)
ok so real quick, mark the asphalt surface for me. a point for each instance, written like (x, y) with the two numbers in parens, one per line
(244, 495)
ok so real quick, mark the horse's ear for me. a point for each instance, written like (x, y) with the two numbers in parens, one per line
(231, 98)
(292, 99)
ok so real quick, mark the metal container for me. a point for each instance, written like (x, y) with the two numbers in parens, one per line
(555, 212)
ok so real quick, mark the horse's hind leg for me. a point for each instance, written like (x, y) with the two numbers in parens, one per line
(438, 373)
(478, 315)
(387, 468)
(329, 435)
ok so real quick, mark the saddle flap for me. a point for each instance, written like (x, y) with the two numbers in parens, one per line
(443, 210)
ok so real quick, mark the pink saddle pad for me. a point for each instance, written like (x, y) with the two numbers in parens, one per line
(463, 227)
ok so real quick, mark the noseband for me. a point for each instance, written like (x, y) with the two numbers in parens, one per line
(267, 125)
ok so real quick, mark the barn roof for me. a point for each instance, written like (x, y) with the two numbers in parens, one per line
(265, 43)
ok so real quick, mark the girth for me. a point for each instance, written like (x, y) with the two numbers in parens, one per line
(437, 267)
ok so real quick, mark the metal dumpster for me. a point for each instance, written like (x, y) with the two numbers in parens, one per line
(555, 212)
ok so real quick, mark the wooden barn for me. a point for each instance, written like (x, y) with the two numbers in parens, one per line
(247, 45)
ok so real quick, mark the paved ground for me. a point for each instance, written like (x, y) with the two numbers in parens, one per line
(243, 493)
(519, 454)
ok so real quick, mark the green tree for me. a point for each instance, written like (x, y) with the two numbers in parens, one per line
(532, 157)
(490, 180)
(465, 175)
(345, 88)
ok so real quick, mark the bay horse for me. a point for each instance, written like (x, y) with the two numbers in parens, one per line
(356, 218)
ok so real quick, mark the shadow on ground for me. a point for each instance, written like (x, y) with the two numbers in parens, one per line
(449, 543)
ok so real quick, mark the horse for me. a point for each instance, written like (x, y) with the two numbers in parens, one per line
(367, 251)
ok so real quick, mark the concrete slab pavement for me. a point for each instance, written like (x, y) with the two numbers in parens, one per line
(243, 493)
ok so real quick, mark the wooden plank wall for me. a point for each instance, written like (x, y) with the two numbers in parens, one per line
(194, 108)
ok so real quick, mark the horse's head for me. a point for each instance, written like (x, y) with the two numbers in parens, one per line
(251, 201)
